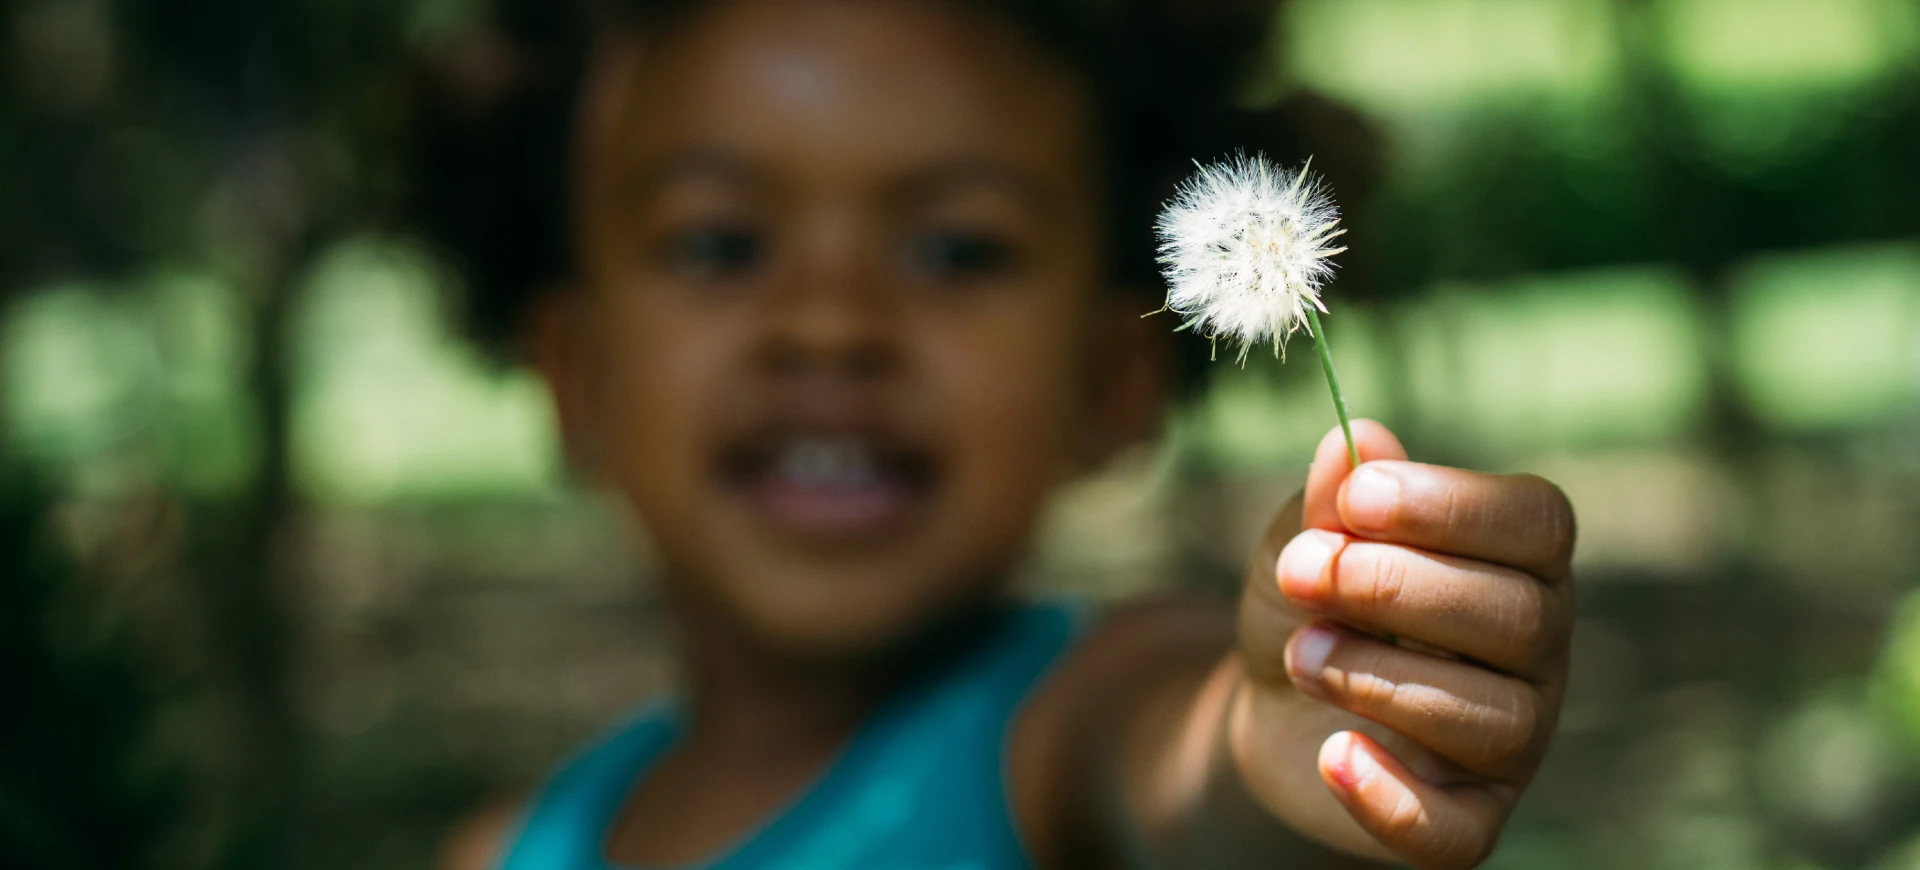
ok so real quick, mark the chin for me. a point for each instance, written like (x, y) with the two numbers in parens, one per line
(843, 617)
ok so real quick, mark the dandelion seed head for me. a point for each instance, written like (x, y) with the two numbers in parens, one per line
(1245, 246)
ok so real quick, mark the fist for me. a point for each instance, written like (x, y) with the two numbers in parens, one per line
(1411, 639)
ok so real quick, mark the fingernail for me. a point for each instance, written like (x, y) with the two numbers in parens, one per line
(1307, 656)
(1303, 564)
(1359, 764)
(1337, 757)
(1371, 494)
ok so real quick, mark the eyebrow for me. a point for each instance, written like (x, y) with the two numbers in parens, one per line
(711, 163)
(928, 183)
(917, 186)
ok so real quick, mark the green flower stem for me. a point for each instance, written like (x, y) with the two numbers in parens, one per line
(1333, 382)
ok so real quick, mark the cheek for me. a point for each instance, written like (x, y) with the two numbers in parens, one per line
(654, 389)
(1010, 386)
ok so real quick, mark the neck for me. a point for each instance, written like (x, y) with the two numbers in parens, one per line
(757, 704)
(751, 699)
(756, 700)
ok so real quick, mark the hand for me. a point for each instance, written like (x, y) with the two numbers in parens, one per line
(1432, 601)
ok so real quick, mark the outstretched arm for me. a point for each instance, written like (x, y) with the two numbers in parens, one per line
(479, 842)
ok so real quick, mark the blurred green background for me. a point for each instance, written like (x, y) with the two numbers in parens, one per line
(293, 578)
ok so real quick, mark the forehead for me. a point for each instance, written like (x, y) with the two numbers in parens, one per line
(839, 89)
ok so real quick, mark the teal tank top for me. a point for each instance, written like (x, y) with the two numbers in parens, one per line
(919, 787)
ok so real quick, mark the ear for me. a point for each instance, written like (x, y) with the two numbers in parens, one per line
(1131, 360)
(555, 343)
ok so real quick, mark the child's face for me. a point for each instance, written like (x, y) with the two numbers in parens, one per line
(841, 326)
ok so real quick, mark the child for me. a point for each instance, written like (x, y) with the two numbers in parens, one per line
(849, 288)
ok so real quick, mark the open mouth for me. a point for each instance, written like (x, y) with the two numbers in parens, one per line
(830, 485)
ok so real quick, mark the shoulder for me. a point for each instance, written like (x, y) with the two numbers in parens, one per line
(1137, 665)
(545, 825)
(479, 841)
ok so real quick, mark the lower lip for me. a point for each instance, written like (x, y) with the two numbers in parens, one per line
(834, 511)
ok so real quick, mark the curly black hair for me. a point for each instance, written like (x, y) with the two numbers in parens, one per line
(492, 146)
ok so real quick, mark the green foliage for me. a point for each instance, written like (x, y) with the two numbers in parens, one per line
(84, 779)
(1662, 250)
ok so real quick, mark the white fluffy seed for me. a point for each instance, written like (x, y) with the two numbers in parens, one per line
(1245, 246)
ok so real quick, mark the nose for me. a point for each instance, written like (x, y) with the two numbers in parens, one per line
(831, 314)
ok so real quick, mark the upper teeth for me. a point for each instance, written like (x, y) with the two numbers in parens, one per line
(842, 462)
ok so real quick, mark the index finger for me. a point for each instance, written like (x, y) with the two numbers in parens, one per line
(1517, 520)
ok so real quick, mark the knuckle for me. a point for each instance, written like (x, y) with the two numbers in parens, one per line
(1512, 731)
(1556, 517)
(1456, 513)
(1524, 623)
(1371, 692)
(1498, 735)
(1386, 577)
(1404, 819)
(1523, 720)
(1362, 669)
(1553, 628)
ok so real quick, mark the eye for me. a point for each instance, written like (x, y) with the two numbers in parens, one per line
(958, 255)
(714, 253)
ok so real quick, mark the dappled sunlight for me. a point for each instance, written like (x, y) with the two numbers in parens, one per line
(1831, 338)
(1661, 253)
(390, 404)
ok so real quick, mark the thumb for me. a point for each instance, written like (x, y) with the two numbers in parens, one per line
(1320, 508)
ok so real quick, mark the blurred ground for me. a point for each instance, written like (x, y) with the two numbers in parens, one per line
(324, 579)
